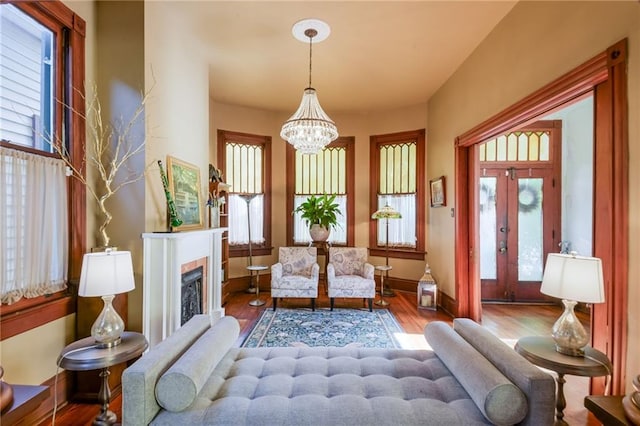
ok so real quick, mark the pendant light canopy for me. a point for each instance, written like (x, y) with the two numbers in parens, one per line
(309, 129)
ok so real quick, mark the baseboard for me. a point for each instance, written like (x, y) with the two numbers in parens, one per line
(447, 304)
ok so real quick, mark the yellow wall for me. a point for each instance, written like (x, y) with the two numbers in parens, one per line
(268, 123)
(534, 44)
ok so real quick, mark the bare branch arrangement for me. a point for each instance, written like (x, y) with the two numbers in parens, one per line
(109, 149)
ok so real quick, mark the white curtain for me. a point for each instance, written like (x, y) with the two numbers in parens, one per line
(33, 225)
(338, 235)
(238, 229)
(402, 232)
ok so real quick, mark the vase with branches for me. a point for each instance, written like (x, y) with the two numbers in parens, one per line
(109, 149)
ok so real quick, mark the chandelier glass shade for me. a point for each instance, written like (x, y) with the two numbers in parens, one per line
(309, 129)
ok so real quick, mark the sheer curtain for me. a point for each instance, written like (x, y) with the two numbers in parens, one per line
(238, 229)
(33, 225)
(301, 229)
(402, 232)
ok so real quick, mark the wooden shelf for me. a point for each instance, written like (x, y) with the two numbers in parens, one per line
(221, 189)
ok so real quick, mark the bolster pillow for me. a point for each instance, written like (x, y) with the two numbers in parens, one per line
(501, 402)
(181, 383)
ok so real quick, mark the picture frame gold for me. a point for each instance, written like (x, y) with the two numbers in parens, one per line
(438, 192)
(184, 185)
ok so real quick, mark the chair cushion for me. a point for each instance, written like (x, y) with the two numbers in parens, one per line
(297, 260)
(348, 260)
(352, 286)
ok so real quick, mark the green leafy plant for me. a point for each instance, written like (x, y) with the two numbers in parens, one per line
(322, 210)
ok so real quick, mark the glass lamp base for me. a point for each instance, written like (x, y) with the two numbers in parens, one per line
(108, 327)
(568, 333)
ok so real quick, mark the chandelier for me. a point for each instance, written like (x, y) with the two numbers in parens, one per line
(309, 129)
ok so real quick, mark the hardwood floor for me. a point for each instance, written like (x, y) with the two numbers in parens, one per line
(508, 322)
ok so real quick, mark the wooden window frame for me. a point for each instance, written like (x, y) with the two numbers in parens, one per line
(347, 142)
(225, 136)
(375, 142)
(28, 314)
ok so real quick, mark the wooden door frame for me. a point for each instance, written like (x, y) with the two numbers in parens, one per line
(605, 77)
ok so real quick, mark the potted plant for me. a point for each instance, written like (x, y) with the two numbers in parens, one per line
(320, 214)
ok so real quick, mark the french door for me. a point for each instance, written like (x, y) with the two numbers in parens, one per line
(516, 232)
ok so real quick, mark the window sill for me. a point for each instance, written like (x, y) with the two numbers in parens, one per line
(398, 254)
(31, 313)
(255, 251)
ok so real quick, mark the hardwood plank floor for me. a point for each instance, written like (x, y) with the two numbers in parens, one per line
(508, 322)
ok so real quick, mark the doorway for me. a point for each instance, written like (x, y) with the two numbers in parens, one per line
(605, 77)
(519, 193)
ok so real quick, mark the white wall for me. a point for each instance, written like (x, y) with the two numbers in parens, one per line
(577, 175)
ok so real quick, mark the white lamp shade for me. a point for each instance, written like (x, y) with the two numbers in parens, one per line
(106, 273)
(572, 277)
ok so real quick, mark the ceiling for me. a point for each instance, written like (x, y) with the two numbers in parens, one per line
(380, 55)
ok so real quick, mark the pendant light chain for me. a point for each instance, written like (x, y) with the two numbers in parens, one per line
(310, 55)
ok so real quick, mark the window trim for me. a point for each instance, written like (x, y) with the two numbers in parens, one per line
(349, 142)
(28, 314)
(375, 141)
(265, 248)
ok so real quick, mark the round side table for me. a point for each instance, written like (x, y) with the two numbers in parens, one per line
(84, 355)
(541, 351)
(257, 269)
(383, 271)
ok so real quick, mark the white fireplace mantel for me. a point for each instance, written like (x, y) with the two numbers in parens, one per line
(164, 255)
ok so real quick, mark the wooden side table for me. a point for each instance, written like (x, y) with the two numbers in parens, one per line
(607, 409)
(83, 355)
(541, 351)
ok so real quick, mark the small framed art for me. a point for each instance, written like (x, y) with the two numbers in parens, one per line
(438, 192)
(184, 185)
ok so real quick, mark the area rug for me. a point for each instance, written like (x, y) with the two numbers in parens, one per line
(340, 327)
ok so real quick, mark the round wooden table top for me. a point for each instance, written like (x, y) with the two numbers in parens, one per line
(541, 351)
(84, 355)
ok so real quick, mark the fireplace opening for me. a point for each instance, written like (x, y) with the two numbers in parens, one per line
(191, 295)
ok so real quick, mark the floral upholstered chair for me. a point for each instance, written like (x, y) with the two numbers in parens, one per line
(296, 274)
(350, 275)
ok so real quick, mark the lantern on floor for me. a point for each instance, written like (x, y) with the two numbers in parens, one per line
(427, 291)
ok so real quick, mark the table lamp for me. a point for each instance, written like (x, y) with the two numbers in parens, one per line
(106, 274)
(573, 279)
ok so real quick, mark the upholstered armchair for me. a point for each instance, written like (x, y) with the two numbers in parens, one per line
(296, 274)
(350, 275)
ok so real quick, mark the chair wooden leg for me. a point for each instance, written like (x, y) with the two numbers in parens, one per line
(370, 305)
(313, 304)
(275, 303)
(331, 303)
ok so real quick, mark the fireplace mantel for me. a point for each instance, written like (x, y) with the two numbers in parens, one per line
(164, 255)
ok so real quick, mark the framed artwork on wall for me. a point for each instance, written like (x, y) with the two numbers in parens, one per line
(184, 185)
(437, 190)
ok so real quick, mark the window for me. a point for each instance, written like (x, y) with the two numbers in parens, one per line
(246, 168)
(398, 179)
(331, 171)
(42, 55)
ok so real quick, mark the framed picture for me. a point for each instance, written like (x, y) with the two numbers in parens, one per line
(184, 185)
(438, 192)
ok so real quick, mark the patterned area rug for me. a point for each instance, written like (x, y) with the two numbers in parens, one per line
(340, 327)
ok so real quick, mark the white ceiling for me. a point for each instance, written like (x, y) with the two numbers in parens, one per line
(380, 54)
